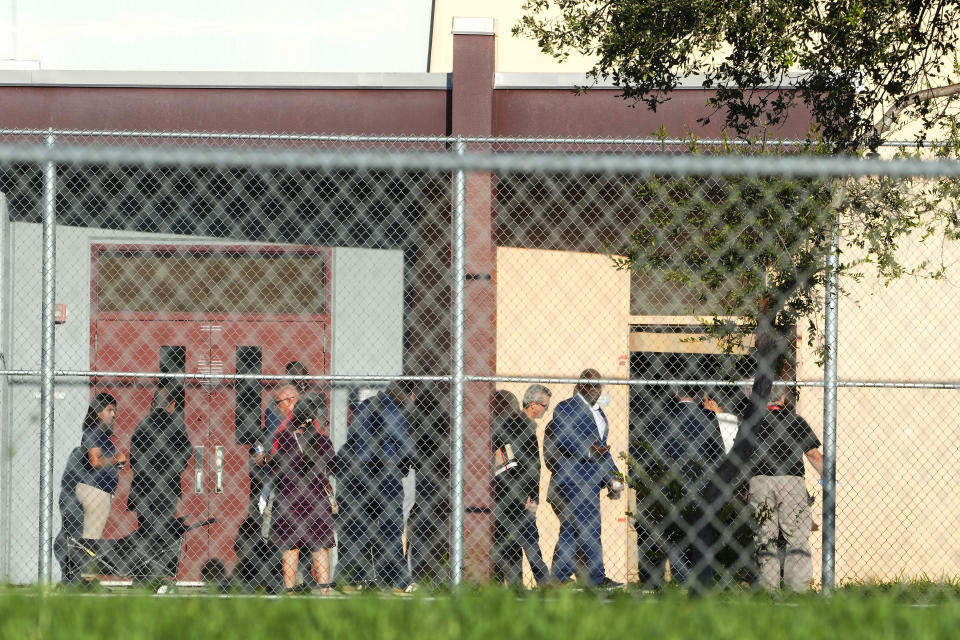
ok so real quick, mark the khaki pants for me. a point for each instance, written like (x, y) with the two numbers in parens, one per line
(781, 505)
(96, 509)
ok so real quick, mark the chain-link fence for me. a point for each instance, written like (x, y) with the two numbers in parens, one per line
(274, 362)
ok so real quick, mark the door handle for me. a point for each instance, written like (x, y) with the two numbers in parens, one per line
(218, 460)
(198, 469)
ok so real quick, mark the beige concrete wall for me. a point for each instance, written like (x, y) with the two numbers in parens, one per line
(557, 314)
(512, 54)
(898, 450)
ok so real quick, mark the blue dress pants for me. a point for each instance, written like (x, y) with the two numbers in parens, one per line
(579, 484)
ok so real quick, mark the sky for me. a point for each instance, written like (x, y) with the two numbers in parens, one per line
(219, 35)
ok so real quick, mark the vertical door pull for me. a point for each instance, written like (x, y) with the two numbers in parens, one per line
(198, 469)
(218, 459)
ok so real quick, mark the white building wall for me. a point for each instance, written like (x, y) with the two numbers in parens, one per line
(367, 322)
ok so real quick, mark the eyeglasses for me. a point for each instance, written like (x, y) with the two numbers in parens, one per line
(288, 398)
(542, 404)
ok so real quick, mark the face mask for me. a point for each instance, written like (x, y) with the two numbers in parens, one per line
(603, 400)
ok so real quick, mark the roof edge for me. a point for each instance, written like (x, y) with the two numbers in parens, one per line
(223, 79)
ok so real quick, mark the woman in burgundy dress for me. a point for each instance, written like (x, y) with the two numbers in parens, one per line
(302, 458)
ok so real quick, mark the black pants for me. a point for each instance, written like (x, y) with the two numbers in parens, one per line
(515, 532)
(158, 537)
(427, 535)
(370, 545)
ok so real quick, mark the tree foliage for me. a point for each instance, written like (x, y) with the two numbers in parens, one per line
(753, 250)
(859, 67)
(668, 503)
(736, 245)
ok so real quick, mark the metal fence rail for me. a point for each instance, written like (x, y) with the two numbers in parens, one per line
(202, 266)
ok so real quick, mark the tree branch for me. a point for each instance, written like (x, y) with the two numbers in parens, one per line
(891, 114)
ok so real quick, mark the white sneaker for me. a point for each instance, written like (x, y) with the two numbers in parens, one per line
(410, 588)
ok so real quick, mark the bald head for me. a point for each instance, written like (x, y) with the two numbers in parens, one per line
(286, 399)
(587, 388)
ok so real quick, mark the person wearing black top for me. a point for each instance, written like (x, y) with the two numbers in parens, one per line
(71, 515)
(429, 523)
(516, 467)
(159, 452)
(778, 494)
(728, 479)
(685, 444)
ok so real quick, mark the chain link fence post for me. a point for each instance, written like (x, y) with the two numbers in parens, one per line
(459, 282)
(44, 573)
(830, 415)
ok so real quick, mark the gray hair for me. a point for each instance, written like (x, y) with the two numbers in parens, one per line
(534, 393)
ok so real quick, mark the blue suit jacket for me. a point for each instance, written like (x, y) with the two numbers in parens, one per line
(575, 430)
(378, 436)
(687, 438)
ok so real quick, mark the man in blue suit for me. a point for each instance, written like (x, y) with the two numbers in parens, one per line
(585, 467)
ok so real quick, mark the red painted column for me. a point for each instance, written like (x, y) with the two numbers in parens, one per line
(472, 115)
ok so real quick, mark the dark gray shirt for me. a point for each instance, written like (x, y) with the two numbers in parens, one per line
(782, 438)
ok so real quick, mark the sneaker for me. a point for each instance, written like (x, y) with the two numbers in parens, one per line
(351, 588)
(410, 588)
(607, 583)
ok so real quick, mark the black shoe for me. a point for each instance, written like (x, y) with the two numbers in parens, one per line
(607, 583)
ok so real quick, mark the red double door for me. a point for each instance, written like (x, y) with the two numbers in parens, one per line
(216, 483)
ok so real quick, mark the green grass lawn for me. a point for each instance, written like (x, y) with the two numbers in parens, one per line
(489, 614)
